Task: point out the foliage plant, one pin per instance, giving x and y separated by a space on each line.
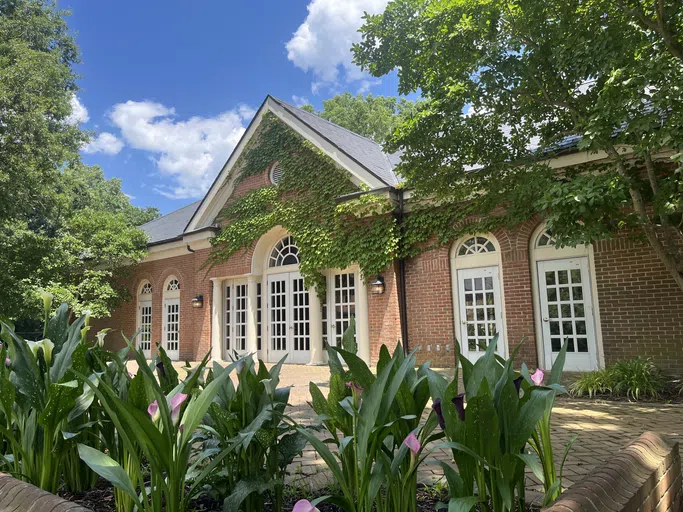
39 389
328 235
248 421
487 427
632 378
158 424
593 383
509 85
373 423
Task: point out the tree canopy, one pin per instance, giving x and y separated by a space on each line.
507 85
63 226
374 117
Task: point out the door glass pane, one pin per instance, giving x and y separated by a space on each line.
576 275
345 304
300 316
562 277
278 315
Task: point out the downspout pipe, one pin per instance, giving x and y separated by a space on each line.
401 278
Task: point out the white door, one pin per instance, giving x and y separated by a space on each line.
235 318
480 311
171 334
144 341
288 318
567 313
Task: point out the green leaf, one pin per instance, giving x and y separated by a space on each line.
463 504
558 365
358 370
58 326
534 464
63 361
108 469
28 379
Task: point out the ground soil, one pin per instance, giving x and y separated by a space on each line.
101 499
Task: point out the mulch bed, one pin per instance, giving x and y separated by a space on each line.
667 397
101 499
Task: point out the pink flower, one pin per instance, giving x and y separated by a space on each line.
412 443
355 387
8 362
537 378
176 403
153 411
304 506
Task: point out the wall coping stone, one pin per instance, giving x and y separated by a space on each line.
18 496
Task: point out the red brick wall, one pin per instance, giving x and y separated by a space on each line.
383 313
641 307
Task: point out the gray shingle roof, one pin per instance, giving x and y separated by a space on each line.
171 225
365 151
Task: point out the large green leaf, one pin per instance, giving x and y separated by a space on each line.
558 365
369 412
244 488
464 504
168 376
289 446
358 370
58 327
62 362
84 401
529 415
108 469
61 401
348 341
27 378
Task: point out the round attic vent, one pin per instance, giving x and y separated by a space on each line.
275 173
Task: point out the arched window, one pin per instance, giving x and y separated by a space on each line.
275 173
171 318
476 245
545 239
284 253
146 288
173 285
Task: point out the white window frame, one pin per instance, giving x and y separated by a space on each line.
550 252
144 300
232 284
470 261
171 297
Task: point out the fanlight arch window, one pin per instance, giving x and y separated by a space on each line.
284 253
275 173
476 245
146 288
545 239
173 285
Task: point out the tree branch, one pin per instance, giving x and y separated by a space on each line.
667 259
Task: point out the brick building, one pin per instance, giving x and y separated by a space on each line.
611 301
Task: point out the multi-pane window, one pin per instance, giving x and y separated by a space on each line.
325 324
145 336
241 317
344 295
566 309
146 289
259 316
173 285
172 326
300 315
480 311
278 314
284 253
476 245
545 239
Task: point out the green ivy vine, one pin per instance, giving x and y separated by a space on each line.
328 235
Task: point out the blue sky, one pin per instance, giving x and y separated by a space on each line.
168 86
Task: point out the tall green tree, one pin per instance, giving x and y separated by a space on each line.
63 226
509 83
374 117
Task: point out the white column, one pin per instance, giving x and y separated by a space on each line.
217 319
252 347
362 319
315 319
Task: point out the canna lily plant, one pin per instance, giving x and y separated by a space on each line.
162 431
487 427
373 423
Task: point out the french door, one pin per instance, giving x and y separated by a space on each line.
171 334
289 331
567 313
144 340
235 318
480 311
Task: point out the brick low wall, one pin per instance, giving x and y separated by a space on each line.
18 496
643 477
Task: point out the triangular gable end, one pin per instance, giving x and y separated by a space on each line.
222 187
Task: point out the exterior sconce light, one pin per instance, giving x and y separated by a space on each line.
377 286
198 302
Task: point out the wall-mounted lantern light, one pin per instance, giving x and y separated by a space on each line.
377 286
198 301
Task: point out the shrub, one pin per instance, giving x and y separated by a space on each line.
637 377
634 378
592 383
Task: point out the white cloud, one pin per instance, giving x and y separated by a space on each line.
79 114
106 143
322 43
190 152
300 101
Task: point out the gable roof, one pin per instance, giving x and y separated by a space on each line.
365 151
170 226
362 157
